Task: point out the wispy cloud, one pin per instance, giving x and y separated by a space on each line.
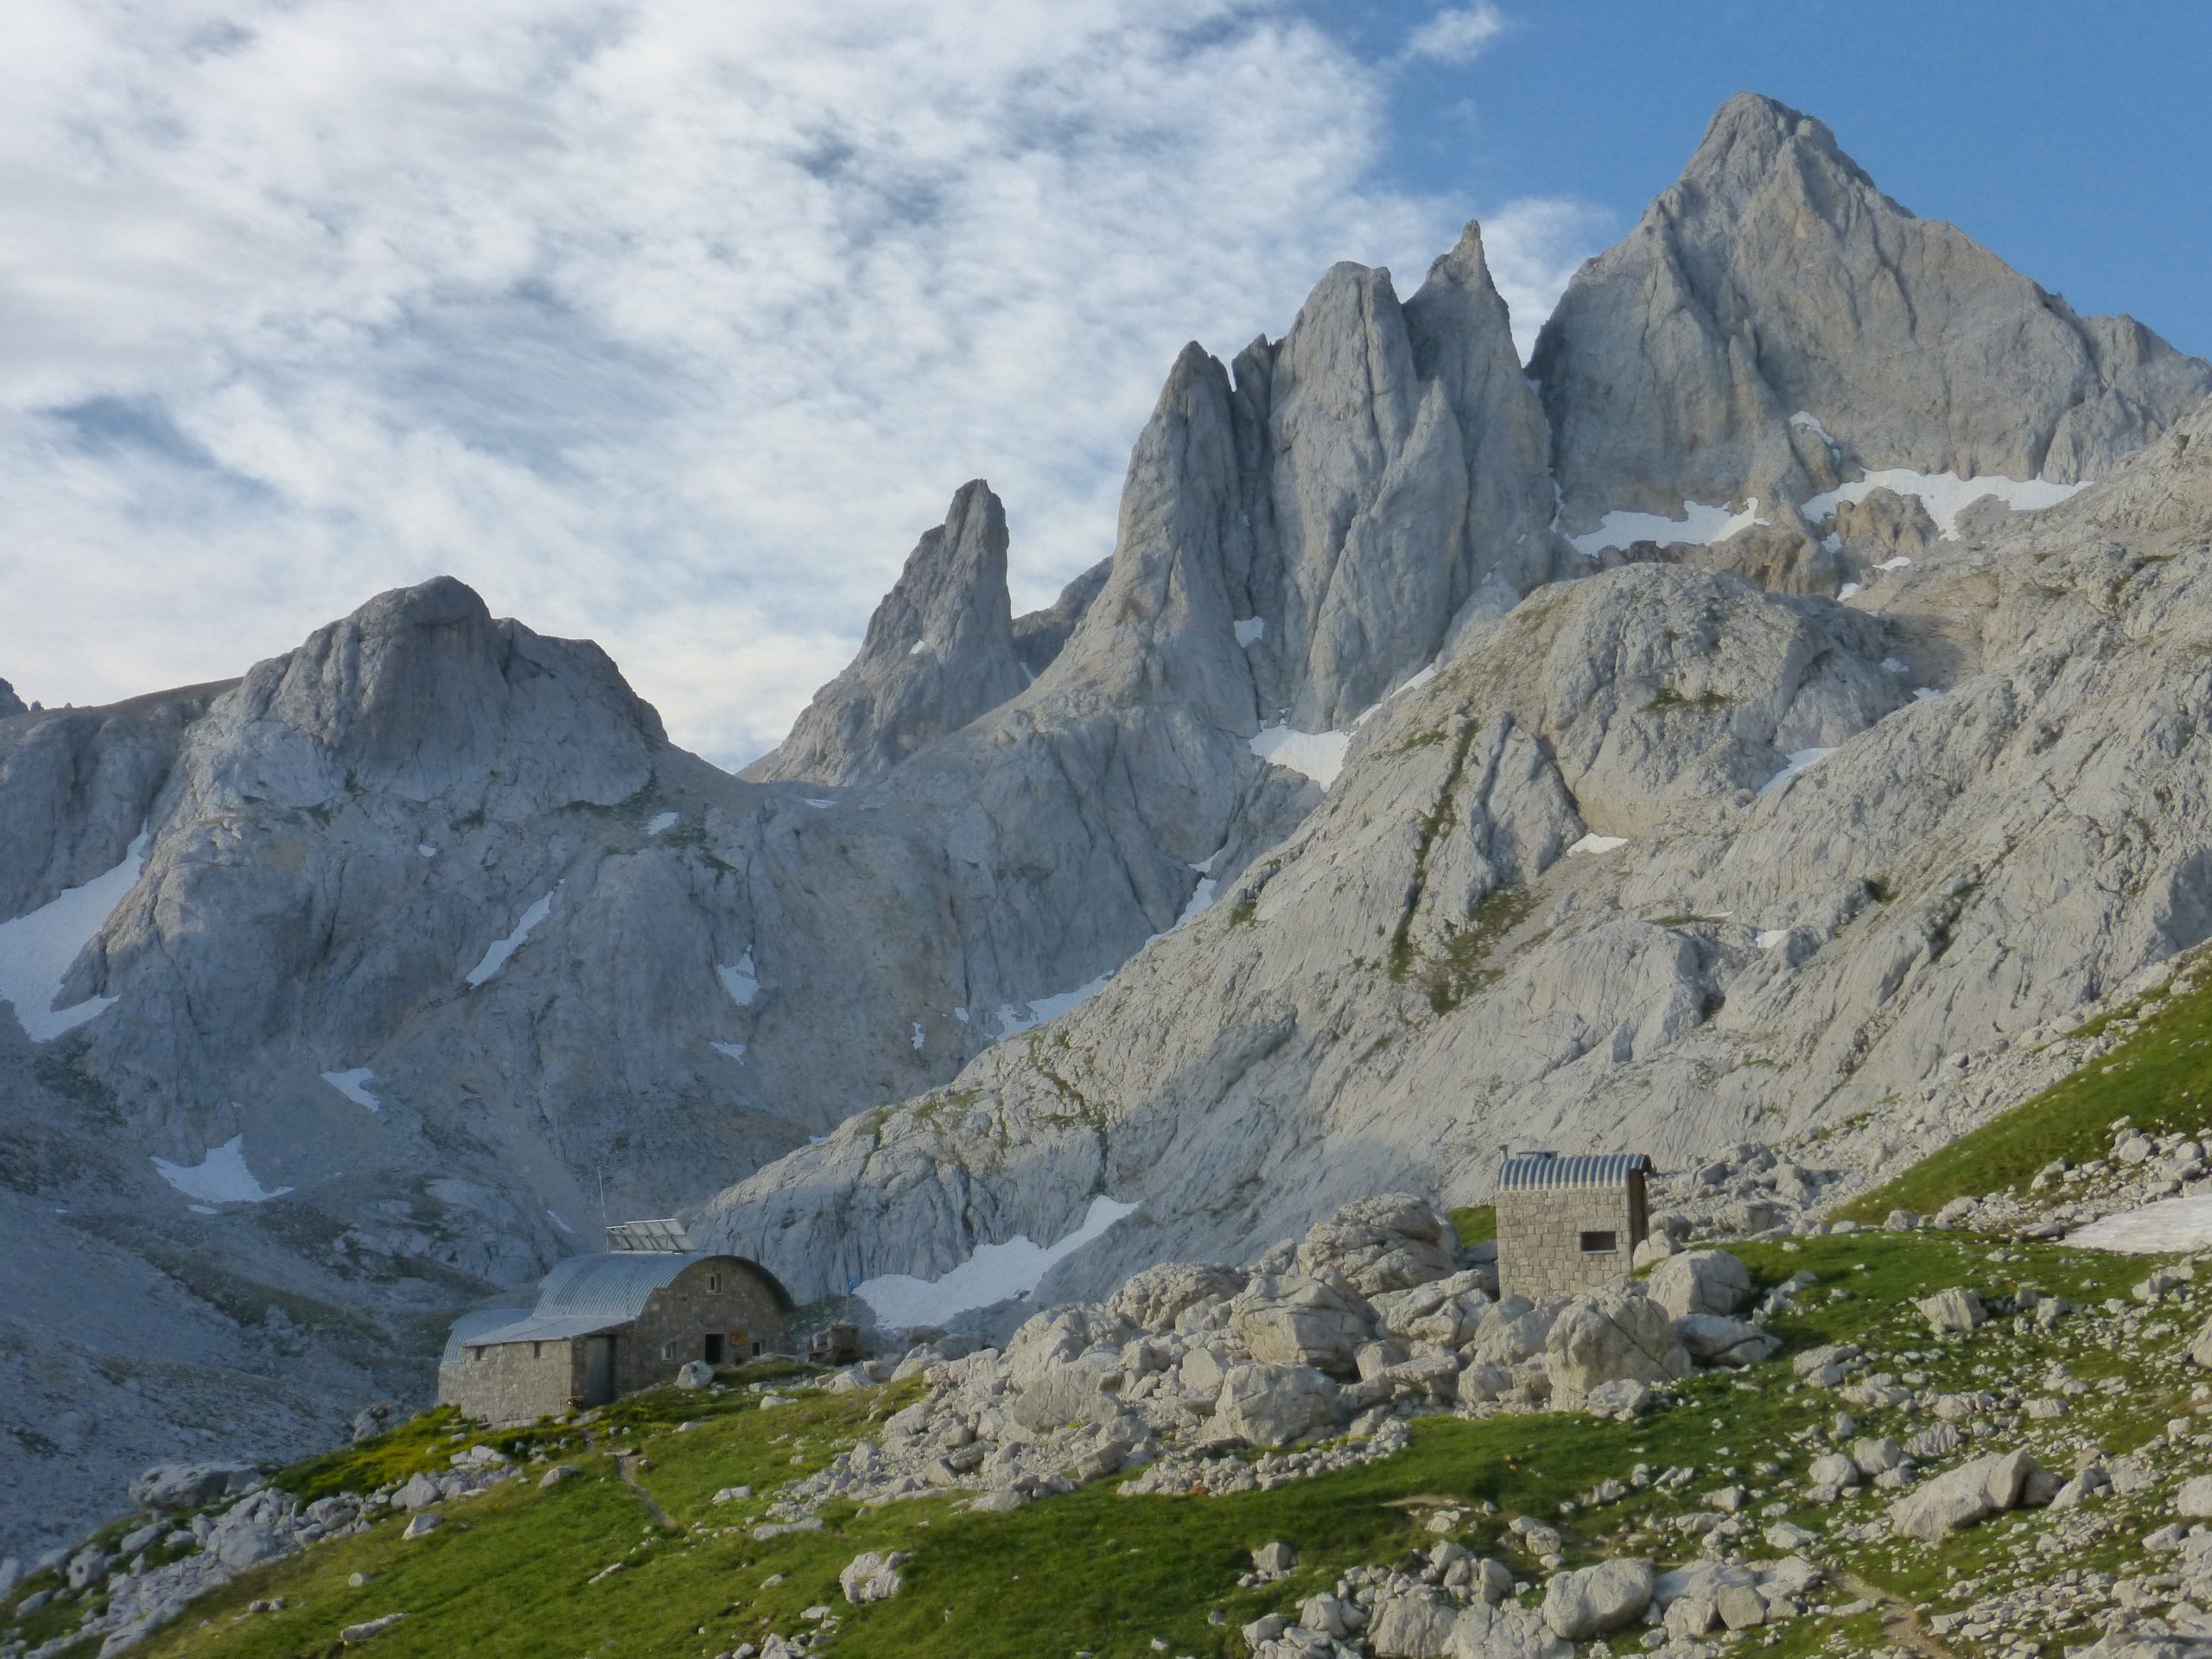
1457 33
669 325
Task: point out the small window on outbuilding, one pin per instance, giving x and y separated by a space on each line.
1600 1243
714 1281
537 1351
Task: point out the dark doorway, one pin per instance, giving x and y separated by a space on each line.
599 1370
714 1348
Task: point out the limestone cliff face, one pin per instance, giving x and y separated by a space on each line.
1816 882
940 651
1774 323
426 923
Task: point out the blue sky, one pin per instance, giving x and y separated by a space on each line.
675 326
2071 140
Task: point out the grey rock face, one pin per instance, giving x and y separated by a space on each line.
940 651
1772 279
10 702
1039 635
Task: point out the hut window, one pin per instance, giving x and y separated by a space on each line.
714 1281
1600 1243
536 1349
756 1348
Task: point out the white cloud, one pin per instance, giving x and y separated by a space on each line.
1457 34
671 326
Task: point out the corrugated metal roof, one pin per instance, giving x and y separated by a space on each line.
615 1285
1532 1170
587 1293
532 1328
469 1330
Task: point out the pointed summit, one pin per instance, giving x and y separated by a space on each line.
1774 326
939 651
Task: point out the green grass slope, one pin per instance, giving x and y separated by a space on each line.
513 1573
2159 1077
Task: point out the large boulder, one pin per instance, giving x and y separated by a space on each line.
1274 1405
1715 1339
2201 1350
1392 1241
1151 1300
189 1485
1068 1394
1954 1310
1987 1486
1296 1320
1448 1311
870 1577
1592 1600
1615 1333
1515 1330
1700 1281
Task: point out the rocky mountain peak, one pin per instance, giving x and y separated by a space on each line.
1750 139
939 651
1774 330
422 693
10 702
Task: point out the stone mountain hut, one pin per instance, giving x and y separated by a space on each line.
609 1324
1565 1224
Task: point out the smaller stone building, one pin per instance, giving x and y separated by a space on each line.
1565 1224
609 1324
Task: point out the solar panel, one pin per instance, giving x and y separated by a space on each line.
661 1237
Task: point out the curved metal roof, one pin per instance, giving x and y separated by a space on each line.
1531 1170
615 1284
588 1293
468 1331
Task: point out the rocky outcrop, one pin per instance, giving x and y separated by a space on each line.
1793 882
940 651
10 702
1039 635
1774 325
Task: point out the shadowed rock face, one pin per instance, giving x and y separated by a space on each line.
10 702
1774 278
940 651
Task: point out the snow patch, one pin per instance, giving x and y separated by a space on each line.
495 958
37 949
1811 423
2154 1229
661 820
919 1036
219 1178
993 1273
1848 589
1946 495
1922 693
1770 937
1042 1008
917 647
426 849
1319 755
1799 762
736 1051
1249 629
820 801
1898 563
1595 843
961 1015
741 979
1894 665
1699 526
554 1216
354 1086
1201 901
